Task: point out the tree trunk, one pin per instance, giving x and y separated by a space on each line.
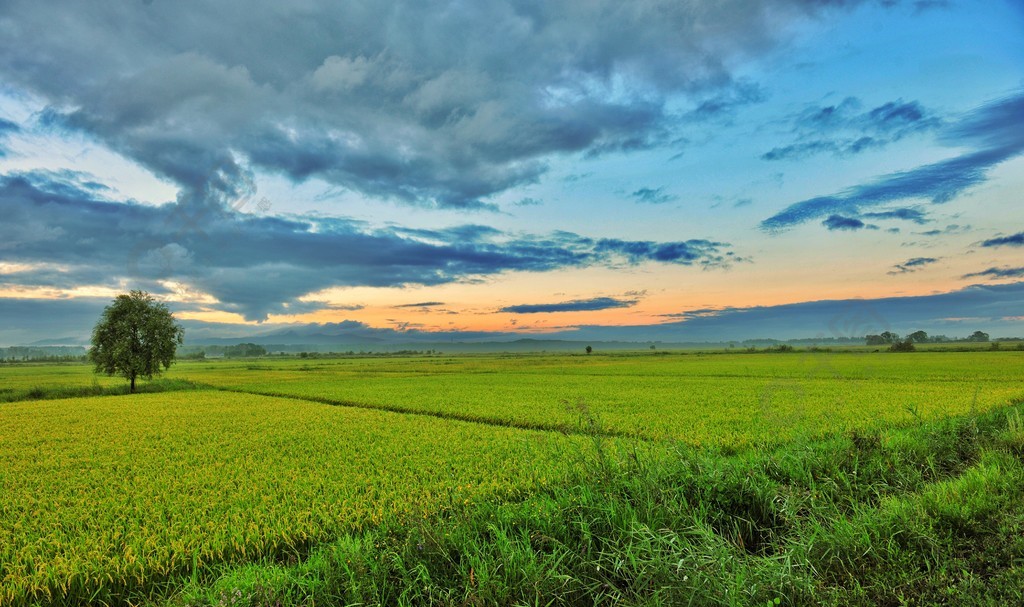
132 388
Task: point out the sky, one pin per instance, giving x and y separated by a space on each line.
644 171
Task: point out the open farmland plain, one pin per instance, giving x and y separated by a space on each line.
325 479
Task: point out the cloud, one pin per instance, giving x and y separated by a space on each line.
706 253
422 304
953 228
998 273
29 320
7 128
58 219
838 222
424 103
700 313
1014 240
576 305
912 265
913 215
527 202
993 130
724 103
653 196
843 130
990 308
993 308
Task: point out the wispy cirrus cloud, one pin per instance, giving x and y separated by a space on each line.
421 304
997 273
906 214
653 196
912 265
724 103
843 129
575 305
993 130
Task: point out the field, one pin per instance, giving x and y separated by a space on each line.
440 479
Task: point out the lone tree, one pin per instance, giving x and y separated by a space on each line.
135 336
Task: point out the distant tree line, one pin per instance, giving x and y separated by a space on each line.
243 350
888 338
47 354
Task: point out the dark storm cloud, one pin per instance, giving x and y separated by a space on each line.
844 130
994 132
998 273
1015 240
912 265
432 103
576 305
258 265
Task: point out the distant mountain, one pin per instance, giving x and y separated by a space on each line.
61 341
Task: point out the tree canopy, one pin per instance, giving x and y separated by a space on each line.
136 336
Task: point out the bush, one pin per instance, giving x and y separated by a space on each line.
902 346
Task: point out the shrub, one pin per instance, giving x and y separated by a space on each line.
902 346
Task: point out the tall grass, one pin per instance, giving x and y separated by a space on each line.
51 392
927 515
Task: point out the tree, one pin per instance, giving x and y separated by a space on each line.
135 336
589 349
978 336
918 337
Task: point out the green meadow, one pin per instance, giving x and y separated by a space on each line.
644 478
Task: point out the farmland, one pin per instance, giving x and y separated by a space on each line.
265 466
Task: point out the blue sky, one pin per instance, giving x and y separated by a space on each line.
675 170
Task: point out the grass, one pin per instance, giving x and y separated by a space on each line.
51 392
927 515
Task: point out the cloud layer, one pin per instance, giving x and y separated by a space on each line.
991 308
64 235
431 103
575 305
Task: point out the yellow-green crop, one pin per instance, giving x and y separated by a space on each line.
731 399
112 493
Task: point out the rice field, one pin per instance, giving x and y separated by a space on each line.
108 496
722 399
109 493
